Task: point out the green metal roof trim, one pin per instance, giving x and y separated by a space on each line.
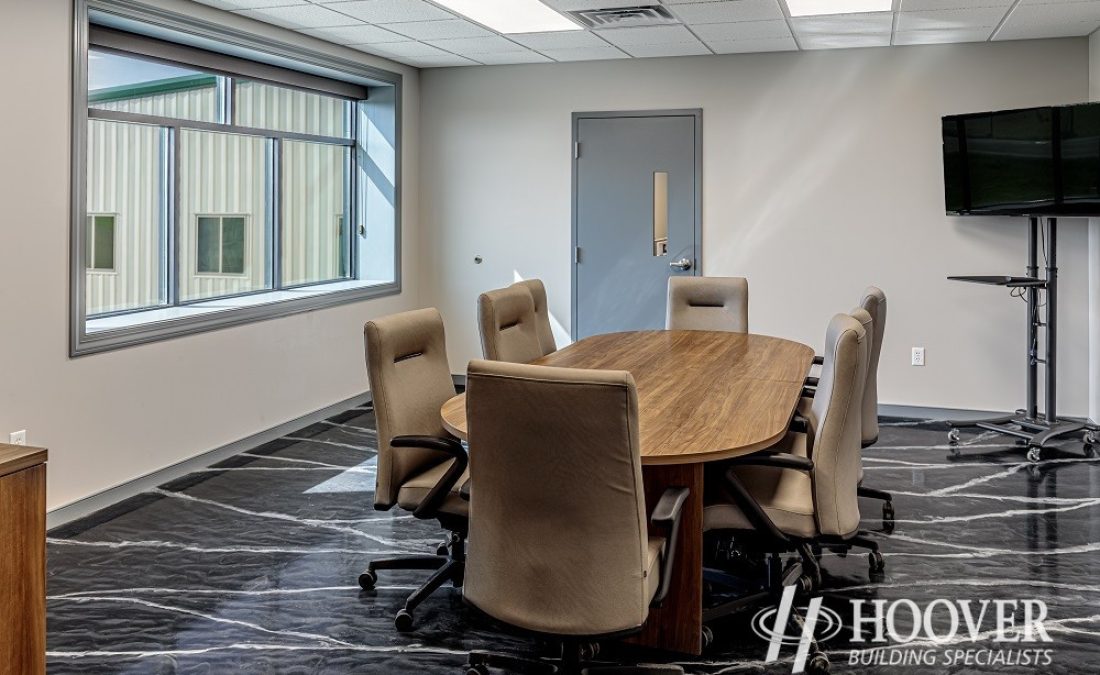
166 86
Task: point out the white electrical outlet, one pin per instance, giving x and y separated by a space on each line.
918 356
18 437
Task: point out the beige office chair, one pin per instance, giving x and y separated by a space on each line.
559 544
873 303
708 303
509 331
421 467
802 492
542 314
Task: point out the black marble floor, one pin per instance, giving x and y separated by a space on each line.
250 566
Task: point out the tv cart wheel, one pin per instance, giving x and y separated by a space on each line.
1034 454
953 436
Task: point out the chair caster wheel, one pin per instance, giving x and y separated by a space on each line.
441 549
953 437
1034 454
479 669
1090 451
589 651
1092 438
367 580
708 637
875 562
805 584
888 517
403 621
818 663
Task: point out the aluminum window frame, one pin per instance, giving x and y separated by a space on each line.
160 21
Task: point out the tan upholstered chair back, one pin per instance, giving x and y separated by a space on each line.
506 318
409 382
708 303
874 301
542 315
557 525
835 418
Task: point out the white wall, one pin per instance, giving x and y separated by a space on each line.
1094 257
822 173
111 417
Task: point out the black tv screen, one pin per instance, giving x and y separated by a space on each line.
1034 161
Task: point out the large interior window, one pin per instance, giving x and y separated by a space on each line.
213 183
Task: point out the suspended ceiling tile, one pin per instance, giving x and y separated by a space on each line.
844 40
727 10
390 11
476 45
299 16
585 53
942 36
355 35
438 30
743 30
671 49
754 45
649 35
569 39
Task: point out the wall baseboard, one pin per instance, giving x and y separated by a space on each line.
100 500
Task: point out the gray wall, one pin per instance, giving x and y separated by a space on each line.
110 417
822 174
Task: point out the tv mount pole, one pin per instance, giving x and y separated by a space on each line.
1035 430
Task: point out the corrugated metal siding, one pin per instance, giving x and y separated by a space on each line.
220 174
269 107
190 104
313 211
124 172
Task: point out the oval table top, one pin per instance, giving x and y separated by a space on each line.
702 395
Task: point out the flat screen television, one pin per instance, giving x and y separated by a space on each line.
1028 162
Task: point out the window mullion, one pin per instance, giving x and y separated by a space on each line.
172 254
275 217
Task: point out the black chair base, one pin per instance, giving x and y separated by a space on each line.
576 659
449 566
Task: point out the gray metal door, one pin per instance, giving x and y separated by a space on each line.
636 220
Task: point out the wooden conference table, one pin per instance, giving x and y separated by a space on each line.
702 396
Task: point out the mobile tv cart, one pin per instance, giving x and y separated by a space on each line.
1033 429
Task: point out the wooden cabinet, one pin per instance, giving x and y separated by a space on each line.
22 560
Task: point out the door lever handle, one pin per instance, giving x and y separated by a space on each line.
683 264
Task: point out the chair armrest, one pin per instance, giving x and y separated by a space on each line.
666 517
781 460
429 506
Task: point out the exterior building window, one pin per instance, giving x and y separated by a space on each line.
101 243
220 244
215 177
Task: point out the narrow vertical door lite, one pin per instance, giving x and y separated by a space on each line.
636 216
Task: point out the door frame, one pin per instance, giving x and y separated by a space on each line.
697 113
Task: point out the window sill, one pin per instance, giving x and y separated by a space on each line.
123 330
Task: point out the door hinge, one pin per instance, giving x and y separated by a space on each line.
577 255
576 150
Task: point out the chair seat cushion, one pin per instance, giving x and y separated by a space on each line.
414 490
654 553
786 495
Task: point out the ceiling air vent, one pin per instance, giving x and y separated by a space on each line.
625 17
